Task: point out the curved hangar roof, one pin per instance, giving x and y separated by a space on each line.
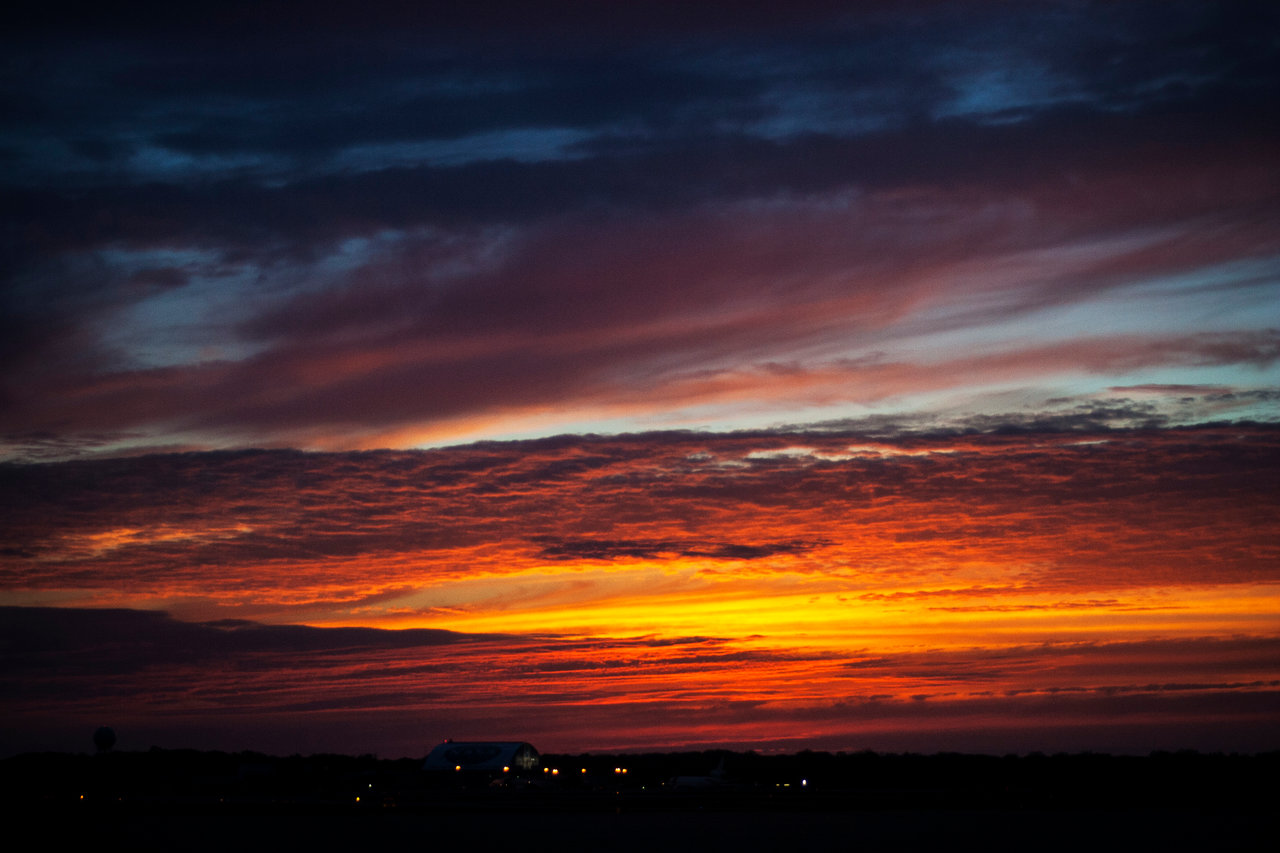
482 755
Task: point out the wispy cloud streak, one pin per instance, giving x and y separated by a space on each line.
740 580
155 676
206 250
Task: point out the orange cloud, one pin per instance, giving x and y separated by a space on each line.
910 577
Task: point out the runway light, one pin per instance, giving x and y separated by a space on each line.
457 767
506 769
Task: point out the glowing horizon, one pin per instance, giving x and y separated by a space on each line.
754 579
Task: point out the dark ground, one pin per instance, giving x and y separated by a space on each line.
895 830
176 799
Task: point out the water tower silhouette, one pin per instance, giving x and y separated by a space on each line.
104 738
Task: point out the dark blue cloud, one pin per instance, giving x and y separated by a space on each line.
238 190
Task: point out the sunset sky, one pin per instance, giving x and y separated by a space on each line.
882 375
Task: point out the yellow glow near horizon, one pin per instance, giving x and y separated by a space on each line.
670 603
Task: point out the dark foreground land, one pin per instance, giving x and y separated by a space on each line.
176 799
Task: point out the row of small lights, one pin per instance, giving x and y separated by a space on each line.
554 771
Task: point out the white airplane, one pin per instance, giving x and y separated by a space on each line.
715 779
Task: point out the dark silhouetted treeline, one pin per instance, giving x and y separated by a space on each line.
164 779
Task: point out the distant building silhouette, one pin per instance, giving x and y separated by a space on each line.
486 757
